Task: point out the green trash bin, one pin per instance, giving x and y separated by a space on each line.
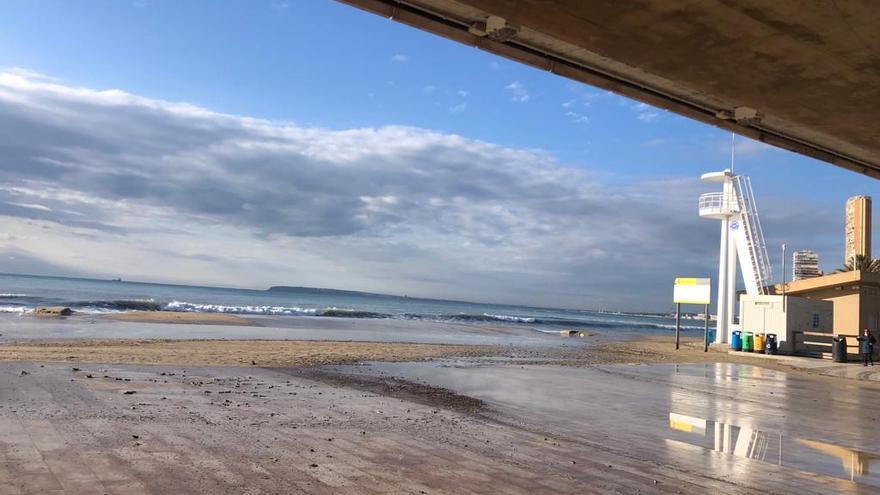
748 342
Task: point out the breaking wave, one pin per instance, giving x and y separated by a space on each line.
187 307
114 306
14 309
486 317
352 313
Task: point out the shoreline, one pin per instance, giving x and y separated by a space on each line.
230 353
188 318
306 354
280 342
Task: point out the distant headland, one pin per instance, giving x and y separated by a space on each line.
323 291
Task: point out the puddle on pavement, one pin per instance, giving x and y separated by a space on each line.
748 412
772 447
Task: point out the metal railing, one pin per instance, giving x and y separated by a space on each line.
754 233
717 203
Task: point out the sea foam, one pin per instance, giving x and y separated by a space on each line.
187 307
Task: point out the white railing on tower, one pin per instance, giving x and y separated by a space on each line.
758 260
717 203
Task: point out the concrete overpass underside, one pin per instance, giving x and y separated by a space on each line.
801 75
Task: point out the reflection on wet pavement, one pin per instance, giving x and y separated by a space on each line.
769 446
735 415
854 462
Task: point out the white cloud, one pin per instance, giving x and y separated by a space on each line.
463 93
280 6
29 74
648 117
645 113
399 58
518 92
581 97
172 192
32 206
577 118
461 107
429 89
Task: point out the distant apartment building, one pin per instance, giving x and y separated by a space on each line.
805 264
858 228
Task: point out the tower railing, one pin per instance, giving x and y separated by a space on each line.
717 203
758 257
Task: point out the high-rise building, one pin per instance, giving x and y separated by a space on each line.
805 264
858 228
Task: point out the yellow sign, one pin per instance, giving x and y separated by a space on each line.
692 291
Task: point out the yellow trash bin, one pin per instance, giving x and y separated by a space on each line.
759 343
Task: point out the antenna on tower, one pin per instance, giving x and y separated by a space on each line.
732 151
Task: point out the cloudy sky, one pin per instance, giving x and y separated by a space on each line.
307 143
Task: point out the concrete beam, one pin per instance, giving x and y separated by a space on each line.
801 76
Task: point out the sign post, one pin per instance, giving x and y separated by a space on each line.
691 291
677 323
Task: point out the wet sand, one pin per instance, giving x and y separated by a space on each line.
181 318
269 354
284 342
15 328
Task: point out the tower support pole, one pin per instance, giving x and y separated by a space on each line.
721 299
731 279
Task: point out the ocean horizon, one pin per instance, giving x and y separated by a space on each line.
20 293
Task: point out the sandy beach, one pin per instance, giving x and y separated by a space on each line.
263 353
290 353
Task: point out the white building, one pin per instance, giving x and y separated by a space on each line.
805 264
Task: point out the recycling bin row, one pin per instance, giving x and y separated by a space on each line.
754 342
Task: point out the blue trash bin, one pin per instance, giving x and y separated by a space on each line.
736 340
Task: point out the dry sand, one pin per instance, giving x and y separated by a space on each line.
175 317
263 353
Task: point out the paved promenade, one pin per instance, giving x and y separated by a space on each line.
150 429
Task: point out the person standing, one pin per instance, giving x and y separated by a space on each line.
866 345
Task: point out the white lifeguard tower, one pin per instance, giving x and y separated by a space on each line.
741 238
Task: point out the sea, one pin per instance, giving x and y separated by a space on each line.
20 294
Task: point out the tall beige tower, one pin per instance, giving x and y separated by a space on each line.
858 227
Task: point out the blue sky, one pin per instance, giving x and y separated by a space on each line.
318 64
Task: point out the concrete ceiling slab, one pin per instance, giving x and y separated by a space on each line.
801 75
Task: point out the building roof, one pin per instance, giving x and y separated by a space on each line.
842 279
